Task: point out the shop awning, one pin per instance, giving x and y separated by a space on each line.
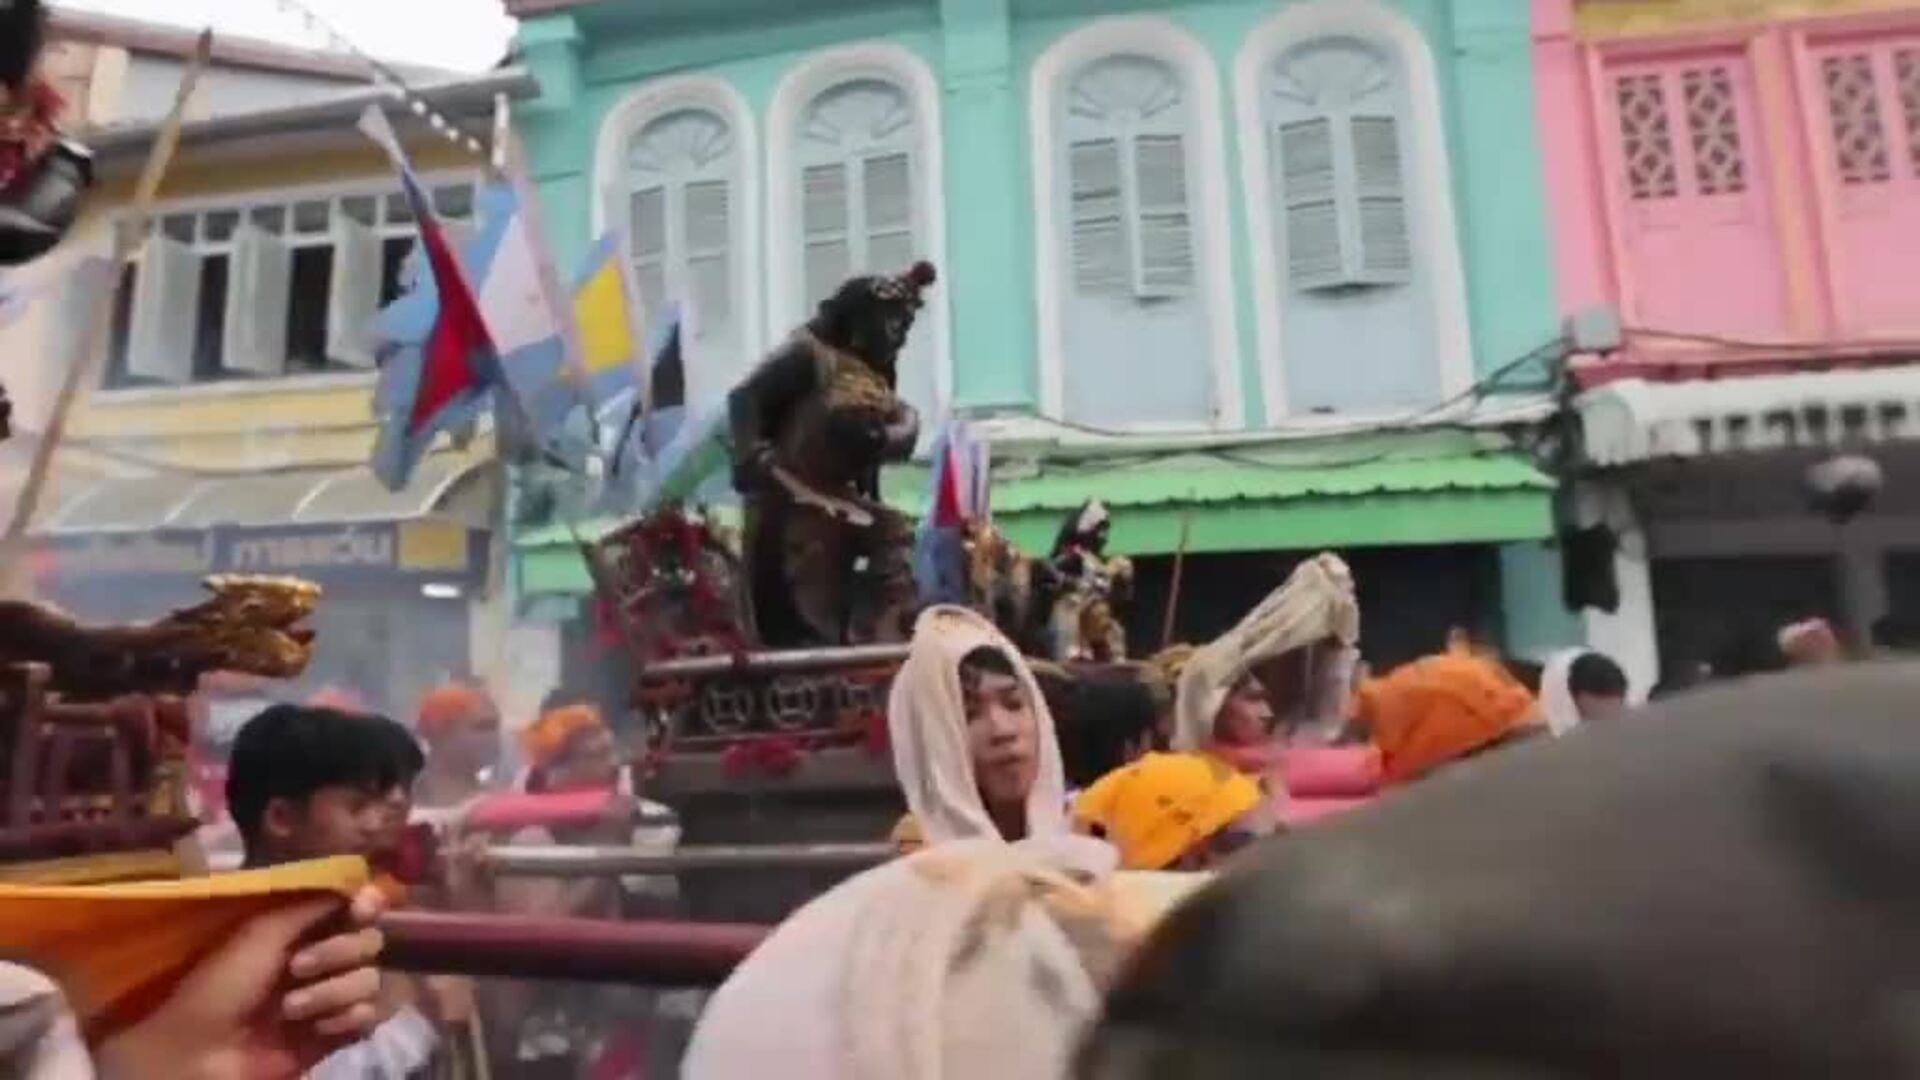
1634 420
1417 489
1430 488
450 485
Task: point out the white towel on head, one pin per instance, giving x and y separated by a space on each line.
978 959
1556 692
927 723
1314 604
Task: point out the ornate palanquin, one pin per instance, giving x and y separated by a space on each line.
94 725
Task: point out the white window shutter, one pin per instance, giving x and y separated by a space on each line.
647 238
887 190
260 277
825 221
1310 197
166 308
1099 239
1163 249
1385 255
356 293
708 224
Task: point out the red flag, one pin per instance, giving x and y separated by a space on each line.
451 353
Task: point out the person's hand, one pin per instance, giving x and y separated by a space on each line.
227 1019
621 815
1809 643
469 869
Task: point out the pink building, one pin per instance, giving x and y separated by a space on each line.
1740 181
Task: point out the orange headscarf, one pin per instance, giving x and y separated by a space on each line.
1439 709
443 707
547 738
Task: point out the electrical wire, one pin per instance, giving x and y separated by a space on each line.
384 73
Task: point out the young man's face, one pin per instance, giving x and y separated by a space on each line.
337 820
1246 717
1602 707
1002 737
591 761
473 742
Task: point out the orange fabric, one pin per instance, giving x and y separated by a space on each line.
119 950
546 739
443 707
1439 709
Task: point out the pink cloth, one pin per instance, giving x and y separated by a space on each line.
1341 772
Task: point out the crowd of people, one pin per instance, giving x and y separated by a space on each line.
1049 876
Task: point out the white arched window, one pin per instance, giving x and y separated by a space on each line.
1360 301
1135 308
676 162
853 149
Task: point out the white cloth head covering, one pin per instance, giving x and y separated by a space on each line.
1315 603
979 959
38 1037
927 722
1556 691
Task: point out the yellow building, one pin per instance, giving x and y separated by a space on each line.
229 422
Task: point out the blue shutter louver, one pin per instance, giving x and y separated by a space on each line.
1310 195
827 257
1099 239
1163 250
1385 256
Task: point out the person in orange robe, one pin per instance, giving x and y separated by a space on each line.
1441 709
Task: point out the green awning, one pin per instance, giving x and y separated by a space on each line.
1449 487
1374 491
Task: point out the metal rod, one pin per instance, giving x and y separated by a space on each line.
637 953
762 663
581 861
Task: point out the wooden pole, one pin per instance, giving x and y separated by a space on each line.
1179 568
93 339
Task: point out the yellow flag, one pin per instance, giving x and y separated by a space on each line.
606 331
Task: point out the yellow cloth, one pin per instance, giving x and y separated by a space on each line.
119 950
1162 806
1439 709
606 325
907 836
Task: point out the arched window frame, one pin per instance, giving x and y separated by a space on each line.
814 76
1163 40
1427 180
649 102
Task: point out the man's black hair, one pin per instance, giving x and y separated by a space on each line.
292 751
22 32
986 660
1595 674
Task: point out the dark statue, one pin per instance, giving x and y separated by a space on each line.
829 563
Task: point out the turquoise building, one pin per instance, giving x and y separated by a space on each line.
1238 268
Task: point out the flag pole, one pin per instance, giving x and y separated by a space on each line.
1179 568
559 299
93 339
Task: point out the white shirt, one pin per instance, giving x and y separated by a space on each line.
396 1050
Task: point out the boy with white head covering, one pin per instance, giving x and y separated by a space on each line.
973 741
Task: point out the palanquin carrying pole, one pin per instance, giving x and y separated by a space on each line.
634 953
579 861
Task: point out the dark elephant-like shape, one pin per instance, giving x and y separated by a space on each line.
1727 885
